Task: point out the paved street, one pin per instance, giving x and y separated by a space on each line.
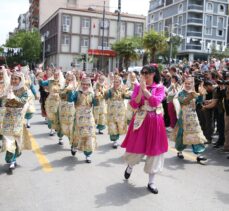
49 178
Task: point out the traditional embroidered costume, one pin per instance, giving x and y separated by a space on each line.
188 130
100 106
67 109
52 103
84 129
12 127
116 111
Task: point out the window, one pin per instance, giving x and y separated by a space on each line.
72 1
67 20
160 26
208 20
180 20
160 15
221 8
85 22
209 7
66 40
139 29
220 21
84 42
208 31
123 26
220 33
180 8
152 18
105 42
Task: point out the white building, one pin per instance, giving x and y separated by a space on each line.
23 22
73 32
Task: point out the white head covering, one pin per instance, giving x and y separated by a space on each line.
22 82
73 77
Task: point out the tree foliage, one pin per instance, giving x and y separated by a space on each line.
29 42
154 42
165 52
127 49
219 54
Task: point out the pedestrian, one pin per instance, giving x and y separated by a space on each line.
146 135
55 84
84 130
12 126
66 109
116 111
131 83
4 86
100 106
188 130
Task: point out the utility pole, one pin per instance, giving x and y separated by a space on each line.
119 28
103 36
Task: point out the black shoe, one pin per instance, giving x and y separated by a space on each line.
152 190
61 142
73 151
28 126
100 132
180 155
201 160
126 174
88 160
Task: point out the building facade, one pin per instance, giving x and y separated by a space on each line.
41 10
76 32
23 22
203 24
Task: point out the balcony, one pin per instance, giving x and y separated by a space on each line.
195 20
193 47
195 7
194 33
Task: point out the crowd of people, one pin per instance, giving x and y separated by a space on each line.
189 100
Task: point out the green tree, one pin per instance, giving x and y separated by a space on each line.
154 42
165 52
29 42
127 50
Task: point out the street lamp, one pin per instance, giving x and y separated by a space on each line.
171 34
43 39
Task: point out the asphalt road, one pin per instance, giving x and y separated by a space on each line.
48 178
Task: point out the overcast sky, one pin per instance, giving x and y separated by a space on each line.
11 9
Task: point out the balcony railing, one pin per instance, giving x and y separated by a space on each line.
193 47
195 7
195 20
194 33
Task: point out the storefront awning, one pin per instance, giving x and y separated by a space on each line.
97 52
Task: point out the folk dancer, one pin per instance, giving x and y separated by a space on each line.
12 127
188 130
100 107
116 111
67 109
146 135
84 129
55 84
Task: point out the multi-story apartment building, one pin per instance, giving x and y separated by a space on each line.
73 32
34 13
202 23
41 10
23 21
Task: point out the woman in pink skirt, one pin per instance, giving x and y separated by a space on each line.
146 135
